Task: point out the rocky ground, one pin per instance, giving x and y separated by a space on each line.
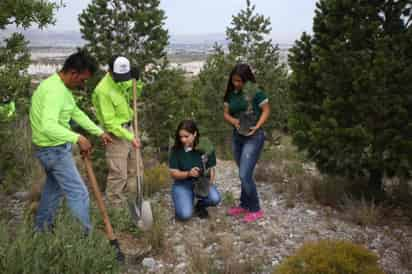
230 246
223 244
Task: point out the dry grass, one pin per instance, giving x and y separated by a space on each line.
156 179
362 212
199 261
156 236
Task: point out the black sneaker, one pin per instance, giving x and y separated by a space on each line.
201 212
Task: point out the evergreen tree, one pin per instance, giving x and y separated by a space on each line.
249 42
209 90
351 89
14 53
132 28
16 160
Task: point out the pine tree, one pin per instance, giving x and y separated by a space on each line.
132 28
208 92
15 83
249 42
351 89
14 53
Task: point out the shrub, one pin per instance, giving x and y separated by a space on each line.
66 250
156 179
331 257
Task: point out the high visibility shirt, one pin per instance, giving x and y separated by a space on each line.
112 103
52 108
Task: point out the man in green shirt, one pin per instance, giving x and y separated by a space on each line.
111 99
52 108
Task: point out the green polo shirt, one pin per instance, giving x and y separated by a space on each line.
237 103
181 160
52 108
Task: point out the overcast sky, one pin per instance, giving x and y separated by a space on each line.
289 17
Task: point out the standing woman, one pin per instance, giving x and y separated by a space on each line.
245 105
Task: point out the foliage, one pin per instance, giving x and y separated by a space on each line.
351 90
134 29
248 43
166 101
208 91
15 83
67 250
156 179
332 257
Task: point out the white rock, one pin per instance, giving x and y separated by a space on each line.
149 263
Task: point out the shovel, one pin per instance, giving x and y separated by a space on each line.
141 210
102 208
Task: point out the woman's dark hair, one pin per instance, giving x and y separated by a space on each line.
244 72
80 62
189 126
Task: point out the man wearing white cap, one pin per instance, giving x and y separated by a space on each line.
111 99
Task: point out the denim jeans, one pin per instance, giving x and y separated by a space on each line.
246 151
63 179
183 199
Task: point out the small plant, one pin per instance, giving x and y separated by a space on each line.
156 179
120 220
155 237
361 212
228 199
199 261
328 191
331 257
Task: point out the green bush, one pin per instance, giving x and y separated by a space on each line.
156 179
66 250
330 257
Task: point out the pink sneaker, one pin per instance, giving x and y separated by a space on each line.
253 216
236 211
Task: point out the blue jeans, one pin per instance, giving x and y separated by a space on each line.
63 179
183 198
246 150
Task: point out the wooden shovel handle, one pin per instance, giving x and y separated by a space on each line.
99 199
139 161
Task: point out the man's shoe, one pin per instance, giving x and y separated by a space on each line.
119 254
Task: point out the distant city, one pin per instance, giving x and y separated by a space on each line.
188 52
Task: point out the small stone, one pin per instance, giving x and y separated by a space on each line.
149 263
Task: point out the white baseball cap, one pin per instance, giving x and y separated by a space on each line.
121 69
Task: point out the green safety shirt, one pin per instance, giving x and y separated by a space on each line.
7 111
112 103
52 108
237 103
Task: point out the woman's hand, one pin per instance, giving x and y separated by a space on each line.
252 130
194 172
236 123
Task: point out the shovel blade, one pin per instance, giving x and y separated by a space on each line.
146 216
134 211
